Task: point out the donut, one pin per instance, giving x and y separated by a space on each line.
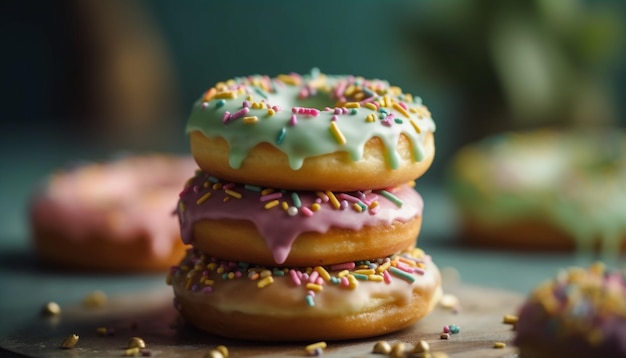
344 301
543 189
116 216
303 218
311 132
579 313
296 228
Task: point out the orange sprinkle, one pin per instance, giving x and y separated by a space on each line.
209 94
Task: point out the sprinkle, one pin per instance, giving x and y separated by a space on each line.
421 347
401 109
499 345
359 276
352 105
415 126
444 336
315 207
272 196
382 347
136 342
322 272
398 350
394 199
209 94
357 207
401 274
250 119
271 204
260 92
343 266
333 199
95 299
509 319
203 198
454 329
271 112
233 193
51 309
375 278
296 199
131 352
265 281
314 287
289 79
387 277
294 277
294 120
306 211
292 211
226 95
310 301
225 117
240 113
70 341
314 346
251 187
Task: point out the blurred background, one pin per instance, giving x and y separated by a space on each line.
85 79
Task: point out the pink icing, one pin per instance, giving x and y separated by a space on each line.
129 197
276 226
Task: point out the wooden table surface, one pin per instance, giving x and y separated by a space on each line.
150 315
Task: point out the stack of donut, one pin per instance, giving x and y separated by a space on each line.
303 217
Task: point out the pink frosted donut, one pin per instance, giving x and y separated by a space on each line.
114 216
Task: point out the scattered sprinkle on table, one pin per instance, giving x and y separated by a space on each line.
499 345
70 341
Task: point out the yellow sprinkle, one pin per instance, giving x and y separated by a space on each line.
314 287
270 112
267 191
408 97
136 342
285 205
314 346
131 352
271 204
400 109
217 186
51 309
373 205
265 281
95 299
250 119
220 270
226 95
359 96
353 105
249 97
375 278
230 82
499 345
290 80
371 106
206 184
208 282
188 283
365 272
370 118
415 126
231 275
333 199
422 111
211 266
383 267
203 198
255 105
395 90
323 273
315 207
509 319
102 331
349 90
357 207
343 273
233 193
222 349
354 283
220 86
334 128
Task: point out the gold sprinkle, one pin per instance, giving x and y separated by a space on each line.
233 193
250 119
353 105
223 350
398 350
401 109
203 198
315 207
284 205
314 287
265 281
509 319
131 352
217 186
70 341
51 309
226 95
136 342
333 199
499 345
271 204
382 347
267 191
95 299
421 347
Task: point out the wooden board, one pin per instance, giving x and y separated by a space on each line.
151 316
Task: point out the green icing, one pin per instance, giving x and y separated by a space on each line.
311 135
